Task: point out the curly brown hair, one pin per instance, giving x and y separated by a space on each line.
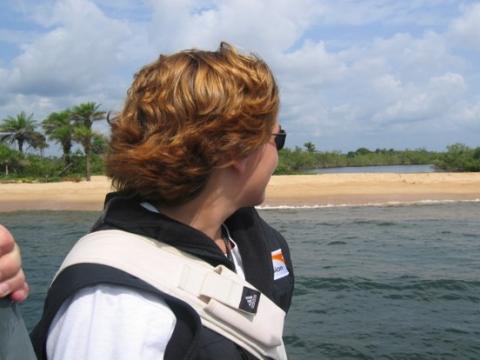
187 114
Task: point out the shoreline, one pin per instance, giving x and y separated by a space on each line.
320 190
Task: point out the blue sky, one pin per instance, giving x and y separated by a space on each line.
373 73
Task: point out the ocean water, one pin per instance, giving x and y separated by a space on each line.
372 282
403 169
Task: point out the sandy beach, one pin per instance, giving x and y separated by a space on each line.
292 190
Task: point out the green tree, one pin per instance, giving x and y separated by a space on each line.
476 153
20 129
362 151
8 159
458 157
39 142
99 144
309 146
59 128
83 116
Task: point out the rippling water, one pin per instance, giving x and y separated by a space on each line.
398 282
403 169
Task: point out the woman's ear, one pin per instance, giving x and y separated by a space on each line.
246 165
239 166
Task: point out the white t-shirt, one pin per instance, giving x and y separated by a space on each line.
110 322
113 322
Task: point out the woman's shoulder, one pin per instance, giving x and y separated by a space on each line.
110 319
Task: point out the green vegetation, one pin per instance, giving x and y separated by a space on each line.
59 128
457 158
74 126
15 166
83 116
66 127
9 159
21 130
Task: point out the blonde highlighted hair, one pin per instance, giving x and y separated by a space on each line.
187 114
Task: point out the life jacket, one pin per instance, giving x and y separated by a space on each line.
227 304
266 264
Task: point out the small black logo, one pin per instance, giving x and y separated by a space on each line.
250 299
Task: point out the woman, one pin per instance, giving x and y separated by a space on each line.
191 153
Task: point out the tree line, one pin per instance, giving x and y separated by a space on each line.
66 127
74 126
458 157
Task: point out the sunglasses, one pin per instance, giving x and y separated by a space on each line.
280 137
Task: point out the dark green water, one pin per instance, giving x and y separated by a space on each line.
399 282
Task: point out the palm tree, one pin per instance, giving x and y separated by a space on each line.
83 116
59 127
20 129
39 142
310 147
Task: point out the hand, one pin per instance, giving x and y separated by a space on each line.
12 278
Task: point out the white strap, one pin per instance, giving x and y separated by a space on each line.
217 294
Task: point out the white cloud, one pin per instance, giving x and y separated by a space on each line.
396 82
387 12
15 36
400 83
466 29
264 26
70 58
428 104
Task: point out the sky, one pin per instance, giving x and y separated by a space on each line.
352 73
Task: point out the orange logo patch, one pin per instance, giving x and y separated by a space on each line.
279 267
